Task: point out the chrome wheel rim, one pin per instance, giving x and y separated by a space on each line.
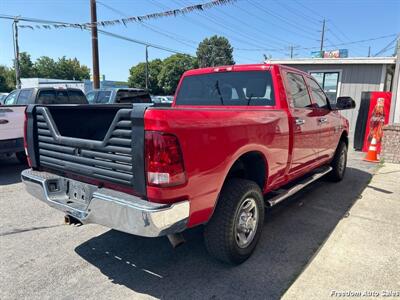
246 222
342 161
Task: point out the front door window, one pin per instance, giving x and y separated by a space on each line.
329 81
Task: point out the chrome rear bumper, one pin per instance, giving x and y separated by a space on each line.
107 207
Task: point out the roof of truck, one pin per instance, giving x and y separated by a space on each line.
244 67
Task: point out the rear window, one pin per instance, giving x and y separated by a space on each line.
227 88
127 96
61 97
77 97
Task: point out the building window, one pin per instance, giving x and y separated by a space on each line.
329 81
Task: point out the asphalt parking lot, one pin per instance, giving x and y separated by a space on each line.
41 258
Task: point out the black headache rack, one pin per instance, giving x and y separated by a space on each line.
116 156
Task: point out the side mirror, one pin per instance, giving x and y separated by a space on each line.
344 103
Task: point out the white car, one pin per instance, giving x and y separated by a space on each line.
163 99
12 114
12 131
2 97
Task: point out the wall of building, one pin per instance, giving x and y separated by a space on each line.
391 144
353 80
56 83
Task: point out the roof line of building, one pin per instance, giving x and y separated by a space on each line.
330 61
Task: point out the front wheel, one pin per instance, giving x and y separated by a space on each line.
339 163
235 228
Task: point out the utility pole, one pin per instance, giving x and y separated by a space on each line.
16 54
322 35
95 45
147 68
291 51
369 51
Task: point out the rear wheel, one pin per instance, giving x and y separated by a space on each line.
235 228
22 157
339 163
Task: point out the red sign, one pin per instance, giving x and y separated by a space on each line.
378 116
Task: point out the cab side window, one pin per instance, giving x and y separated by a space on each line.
24 97
297 91
317 94
91 97
11 98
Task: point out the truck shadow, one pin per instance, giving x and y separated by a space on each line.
293 233
10 170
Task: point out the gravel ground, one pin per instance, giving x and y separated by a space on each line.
41 258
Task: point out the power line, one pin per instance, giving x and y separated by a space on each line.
274 24
169 13
299 13
172 36
247 39
213 30
265 36
329 23
141 42
43 21
273 14
387 47
244 41
309 9
330 45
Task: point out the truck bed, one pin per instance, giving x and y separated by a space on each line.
92 141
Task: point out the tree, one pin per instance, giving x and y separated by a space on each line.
7 79
215 51
26 66
137 77
71 69
172 69
45 67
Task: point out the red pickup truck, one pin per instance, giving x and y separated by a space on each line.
236 139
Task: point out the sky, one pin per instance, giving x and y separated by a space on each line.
254 28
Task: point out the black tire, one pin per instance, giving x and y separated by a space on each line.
220 234
339 163
22 157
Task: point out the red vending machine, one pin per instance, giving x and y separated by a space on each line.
372 116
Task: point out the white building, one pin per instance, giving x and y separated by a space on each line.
57 83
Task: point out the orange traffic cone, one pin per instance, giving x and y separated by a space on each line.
372 155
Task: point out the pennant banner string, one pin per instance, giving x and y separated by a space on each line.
124 21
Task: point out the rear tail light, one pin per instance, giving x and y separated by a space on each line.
164 161
25 140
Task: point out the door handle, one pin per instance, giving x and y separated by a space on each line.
322 120
300 121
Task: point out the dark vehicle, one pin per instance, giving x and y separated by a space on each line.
46 95
118 95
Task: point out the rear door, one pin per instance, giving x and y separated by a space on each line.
305 133
327 120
